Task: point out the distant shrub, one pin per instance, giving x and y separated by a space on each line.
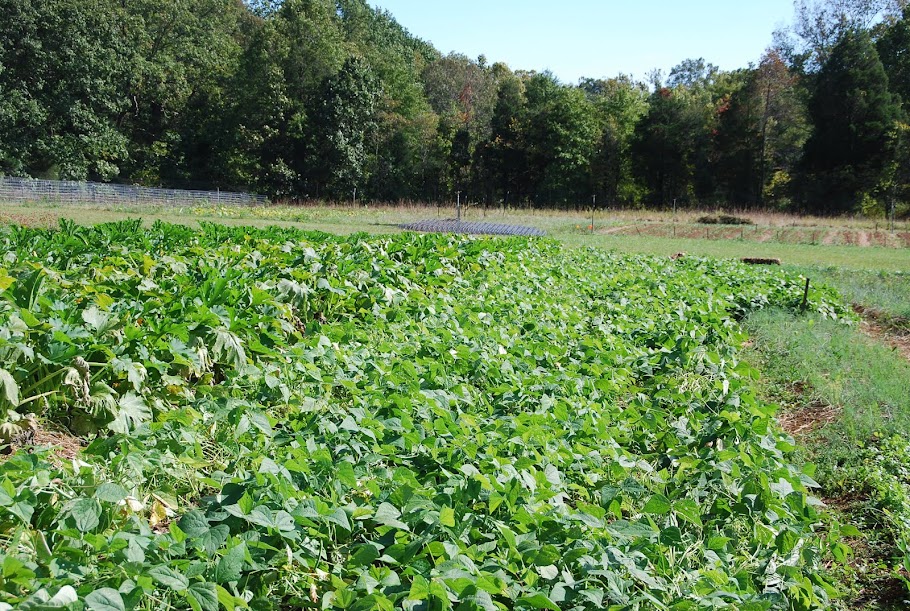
724 219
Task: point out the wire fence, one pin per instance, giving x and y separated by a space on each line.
67 192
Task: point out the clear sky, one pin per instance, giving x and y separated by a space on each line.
596 38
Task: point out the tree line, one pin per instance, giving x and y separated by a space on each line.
319 99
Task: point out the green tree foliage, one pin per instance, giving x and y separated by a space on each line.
306 99
182 55
343 121
821 24
662 150
761 131
894 50
692 73
262 119
63 66
673 145
505 153
561 134
619 103
855 118
462 93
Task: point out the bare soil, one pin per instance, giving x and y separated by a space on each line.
805 415
803 421
38 220
64 445
875 586
894 333
830 238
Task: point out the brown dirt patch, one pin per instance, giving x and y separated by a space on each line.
784 234
803 421
872 585
892 333
37 220
806 415
848 503
885 592
63 446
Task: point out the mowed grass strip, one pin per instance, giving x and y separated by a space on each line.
839 365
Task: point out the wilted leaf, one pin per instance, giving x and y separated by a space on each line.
132 411
10 390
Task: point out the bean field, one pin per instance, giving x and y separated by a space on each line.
280 419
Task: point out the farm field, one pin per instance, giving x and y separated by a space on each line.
850 243
281 419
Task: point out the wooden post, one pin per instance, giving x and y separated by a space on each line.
806 296
593 207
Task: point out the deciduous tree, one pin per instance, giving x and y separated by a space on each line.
64 64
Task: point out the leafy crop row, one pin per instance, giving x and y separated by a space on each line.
281 419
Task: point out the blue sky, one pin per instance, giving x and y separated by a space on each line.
596 38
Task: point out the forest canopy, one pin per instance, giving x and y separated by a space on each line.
312 99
